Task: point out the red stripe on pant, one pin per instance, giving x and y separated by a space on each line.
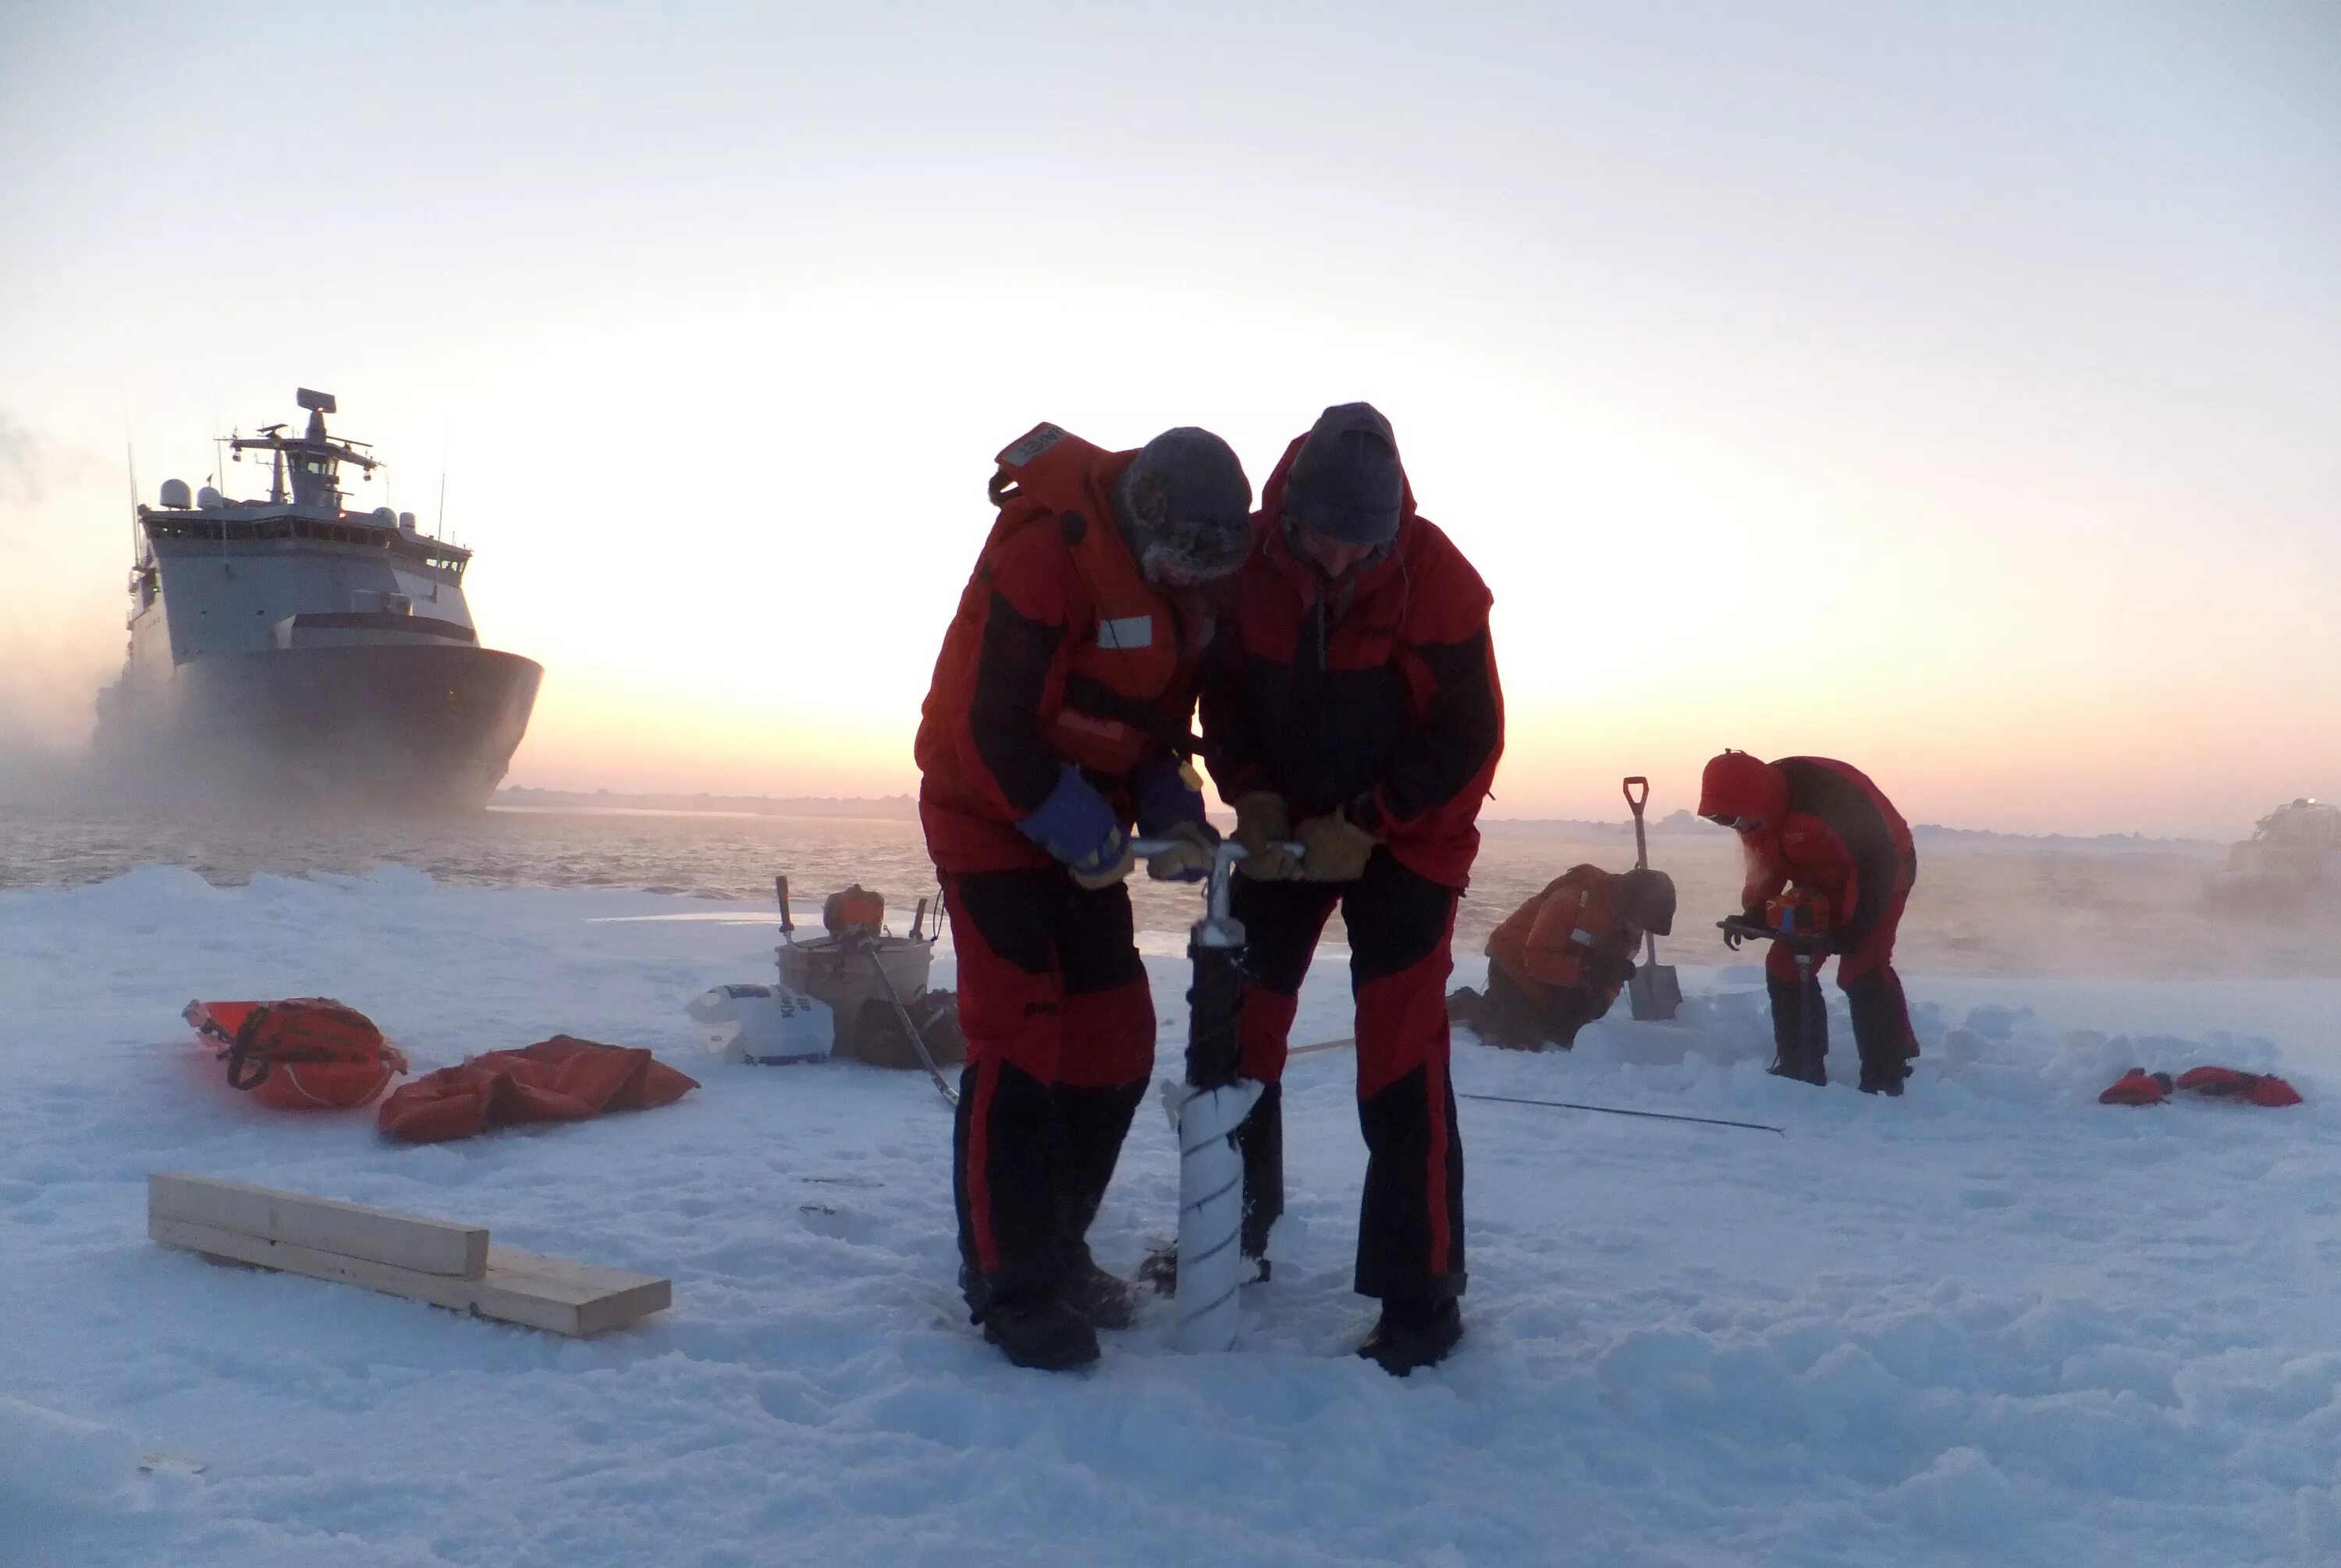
1052 998
1401 929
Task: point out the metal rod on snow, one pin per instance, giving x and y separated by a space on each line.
1346 1041
1616 1111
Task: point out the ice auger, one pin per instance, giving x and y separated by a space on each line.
1206 1110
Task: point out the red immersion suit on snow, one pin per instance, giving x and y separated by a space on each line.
1377 695
1823 826
1060 652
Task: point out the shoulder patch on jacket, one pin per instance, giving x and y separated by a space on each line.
1031 444
1126 631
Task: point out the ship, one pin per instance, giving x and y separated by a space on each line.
297 649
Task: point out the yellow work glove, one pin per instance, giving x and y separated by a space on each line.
1098 872
1262 819
1333 849
1188 858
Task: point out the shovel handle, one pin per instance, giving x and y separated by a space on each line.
1641 845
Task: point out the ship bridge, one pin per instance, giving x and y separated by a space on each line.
220 576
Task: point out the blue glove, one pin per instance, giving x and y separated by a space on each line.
1162 800
1075 824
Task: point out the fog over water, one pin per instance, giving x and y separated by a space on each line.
1996 907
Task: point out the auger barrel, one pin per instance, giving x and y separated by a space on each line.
1206 1111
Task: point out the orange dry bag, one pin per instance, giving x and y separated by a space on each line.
855 907
309 1053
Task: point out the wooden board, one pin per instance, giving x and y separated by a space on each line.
381 1236
547 1293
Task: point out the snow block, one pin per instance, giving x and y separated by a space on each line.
51 1457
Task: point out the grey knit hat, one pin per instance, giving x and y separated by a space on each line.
1185 506
1345 483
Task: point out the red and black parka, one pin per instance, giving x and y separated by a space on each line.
1826 826
1375 695
1060 653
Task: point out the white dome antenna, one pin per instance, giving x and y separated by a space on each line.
175 494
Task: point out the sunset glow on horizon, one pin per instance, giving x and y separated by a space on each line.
1957 395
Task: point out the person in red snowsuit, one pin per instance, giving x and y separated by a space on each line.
1557 962
1354 706
1059 716
1825 827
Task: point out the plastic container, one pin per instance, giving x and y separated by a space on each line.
768 1025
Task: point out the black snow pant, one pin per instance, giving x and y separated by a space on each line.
1881 1028
1873 995
1510 1019
1060 1027
1401 931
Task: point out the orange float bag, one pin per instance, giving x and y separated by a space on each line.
304 1054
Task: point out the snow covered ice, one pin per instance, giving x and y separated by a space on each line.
1992 1321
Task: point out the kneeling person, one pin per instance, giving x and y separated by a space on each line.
1559 961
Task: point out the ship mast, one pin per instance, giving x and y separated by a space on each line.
312 460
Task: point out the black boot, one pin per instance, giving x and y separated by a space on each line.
1800 1031
1095 1122
1039 1331
1884 1080
1260 1139
1881 1031
1101 1299
1413 1330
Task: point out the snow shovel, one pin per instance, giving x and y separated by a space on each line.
1653 990
1206 1110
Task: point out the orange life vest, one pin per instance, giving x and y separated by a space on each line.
1546 941
1135 648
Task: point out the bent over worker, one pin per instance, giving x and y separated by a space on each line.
1355 708
1824 826
1058 714
1557 962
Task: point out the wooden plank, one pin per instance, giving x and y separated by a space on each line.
322 1225
601 1297
548 1293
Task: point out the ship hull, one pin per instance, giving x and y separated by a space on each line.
413 727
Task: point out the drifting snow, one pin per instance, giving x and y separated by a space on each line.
1992 1321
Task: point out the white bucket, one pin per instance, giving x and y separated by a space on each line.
766 1024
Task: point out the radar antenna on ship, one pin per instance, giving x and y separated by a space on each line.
312 460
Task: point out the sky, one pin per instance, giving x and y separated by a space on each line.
1955 391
